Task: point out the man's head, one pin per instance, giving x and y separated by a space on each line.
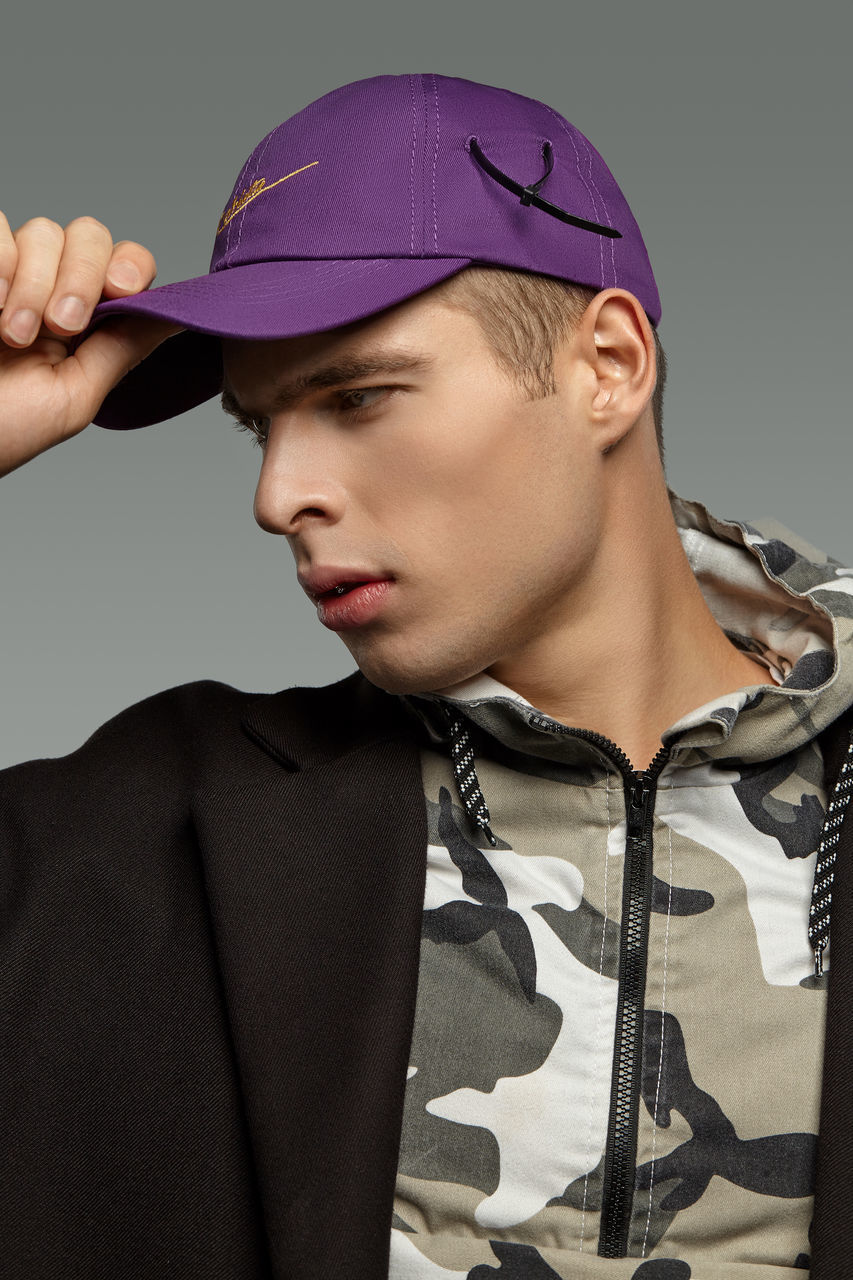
435 297
404 451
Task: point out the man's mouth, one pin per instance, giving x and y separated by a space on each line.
322 585
342 589
353 604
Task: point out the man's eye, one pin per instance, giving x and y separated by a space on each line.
360 398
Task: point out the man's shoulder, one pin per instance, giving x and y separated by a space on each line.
147 781
192 726
163 725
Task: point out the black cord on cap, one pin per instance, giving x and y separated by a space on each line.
529 195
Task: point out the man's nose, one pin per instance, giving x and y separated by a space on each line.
296 485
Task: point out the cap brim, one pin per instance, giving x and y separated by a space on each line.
261 302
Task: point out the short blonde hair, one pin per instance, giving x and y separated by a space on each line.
524 317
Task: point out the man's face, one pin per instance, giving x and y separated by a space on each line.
398 452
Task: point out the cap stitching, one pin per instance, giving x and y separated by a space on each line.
253 168
434 164
600 195
562 123
424 163
241 178
412 163
258 158
322 266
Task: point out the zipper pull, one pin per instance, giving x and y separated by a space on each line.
636 815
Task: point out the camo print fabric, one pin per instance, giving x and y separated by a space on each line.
507 1101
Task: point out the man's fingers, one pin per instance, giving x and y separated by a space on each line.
55 278
131 269
39 245
79 280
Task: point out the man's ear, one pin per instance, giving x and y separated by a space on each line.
616 346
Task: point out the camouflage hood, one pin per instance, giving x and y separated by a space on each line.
775 596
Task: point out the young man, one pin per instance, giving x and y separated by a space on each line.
511 949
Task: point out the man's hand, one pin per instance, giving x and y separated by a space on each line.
50 282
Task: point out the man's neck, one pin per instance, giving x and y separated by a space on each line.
640 648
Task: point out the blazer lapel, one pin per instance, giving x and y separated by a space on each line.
314 854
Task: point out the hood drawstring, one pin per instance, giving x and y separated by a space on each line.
824 873
467 783
468 786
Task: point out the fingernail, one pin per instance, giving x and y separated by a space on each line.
124 275
69 313
4 291
23 326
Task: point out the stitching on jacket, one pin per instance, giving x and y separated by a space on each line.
662 1037
600 994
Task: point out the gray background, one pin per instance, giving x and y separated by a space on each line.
131 562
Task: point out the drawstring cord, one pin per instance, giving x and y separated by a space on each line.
465 773
468 787
824 874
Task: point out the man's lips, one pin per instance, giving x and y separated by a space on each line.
355 606
332 583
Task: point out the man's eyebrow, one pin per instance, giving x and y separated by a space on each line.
348 369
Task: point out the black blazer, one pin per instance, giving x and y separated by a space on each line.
208 962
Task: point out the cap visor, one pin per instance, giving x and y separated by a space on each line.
261 302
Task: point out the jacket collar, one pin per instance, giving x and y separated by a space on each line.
304 727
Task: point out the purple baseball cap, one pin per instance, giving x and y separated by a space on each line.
370 195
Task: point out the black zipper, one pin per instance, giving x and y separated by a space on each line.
621 1147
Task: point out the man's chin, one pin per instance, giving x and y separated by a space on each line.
414 677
